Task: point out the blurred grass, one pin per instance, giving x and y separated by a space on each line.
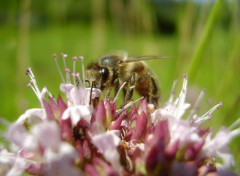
125 28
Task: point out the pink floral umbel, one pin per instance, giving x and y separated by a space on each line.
85 133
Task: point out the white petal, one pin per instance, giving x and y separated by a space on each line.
47 134
75 96
6 157
31 143
78 112
227 158
18 168
33 115
17 134
107 140
61 162
64 150
107 143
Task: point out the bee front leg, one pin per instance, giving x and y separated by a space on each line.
130 86
116 88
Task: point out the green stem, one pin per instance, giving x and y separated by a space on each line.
204 39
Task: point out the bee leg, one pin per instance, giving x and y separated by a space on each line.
116 83
91 90
154 93
130 87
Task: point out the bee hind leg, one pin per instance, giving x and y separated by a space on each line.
129 88
154 95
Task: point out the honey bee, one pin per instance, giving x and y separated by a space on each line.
116 69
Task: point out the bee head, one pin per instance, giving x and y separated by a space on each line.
97 75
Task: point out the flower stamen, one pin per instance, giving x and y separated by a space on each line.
172 93
55 56
79 81
180 101
234 125
207 115
68 73
64 56
196 105
119 90
83 72
125 107
33 82
74 63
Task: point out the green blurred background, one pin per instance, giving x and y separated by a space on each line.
203 36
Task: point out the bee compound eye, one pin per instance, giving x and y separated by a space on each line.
105 73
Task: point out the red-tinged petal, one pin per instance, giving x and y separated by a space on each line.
134 116
171 150
108 170
79 149
142 107
193 150
133 111
140 128
139 151
86 149
189 154
155 160
101 113
203 131
61 104
48 109
198 146
184 169
110 110
115 125
93 119
36 168
91 170
161 131
57 110
66 128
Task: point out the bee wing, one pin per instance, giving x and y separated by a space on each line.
119 53
144 58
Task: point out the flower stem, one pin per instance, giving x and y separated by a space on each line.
197 56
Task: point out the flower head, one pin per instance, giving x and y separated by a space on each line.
84 133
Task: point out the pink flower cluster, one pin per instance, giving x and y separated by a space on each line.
84 133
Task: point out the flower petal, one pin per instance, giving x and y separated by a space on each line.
107 143
78 112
